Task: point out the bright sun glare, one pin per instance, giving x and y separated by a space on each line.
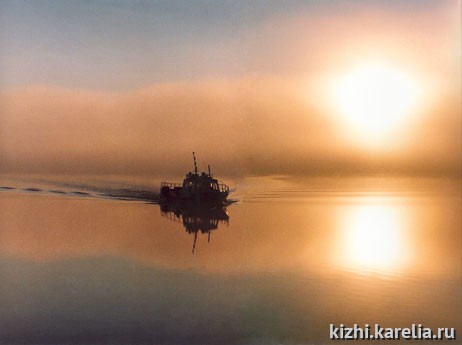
375 99
373 238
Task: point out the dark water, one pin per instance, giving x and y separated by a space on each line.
99 262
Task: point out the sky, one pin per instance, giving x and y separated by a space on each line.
132 87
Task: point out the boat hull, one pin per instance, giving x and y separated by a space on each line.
178 194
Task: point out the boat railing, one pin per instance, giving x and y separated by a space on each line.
170 184
223 188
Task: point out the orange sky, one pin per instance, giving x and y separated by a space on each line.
258 104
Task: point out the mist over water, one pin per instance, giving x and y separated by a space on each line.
240 127
336 125
318 231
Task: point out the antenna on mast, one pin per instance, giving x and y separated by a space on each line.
195 164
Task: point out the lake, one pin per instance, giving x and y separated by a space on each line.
84 261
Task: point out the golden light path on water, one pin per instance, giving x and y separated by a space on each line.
373 237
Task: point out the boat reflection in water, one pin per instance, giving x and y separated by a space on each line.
199 202
196 218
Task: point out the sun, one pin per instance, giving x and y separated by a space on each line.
374 99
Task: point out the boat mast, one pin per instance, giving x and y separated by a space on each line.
195 164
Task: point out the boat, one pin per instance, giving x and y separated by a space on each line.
196 188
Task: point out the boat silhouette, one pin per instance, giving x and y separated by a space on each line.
199 203
197 188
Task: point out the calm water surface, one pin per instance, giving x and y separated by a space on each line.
89 263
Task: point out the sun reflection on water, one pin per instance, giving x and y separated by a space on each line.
373 238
